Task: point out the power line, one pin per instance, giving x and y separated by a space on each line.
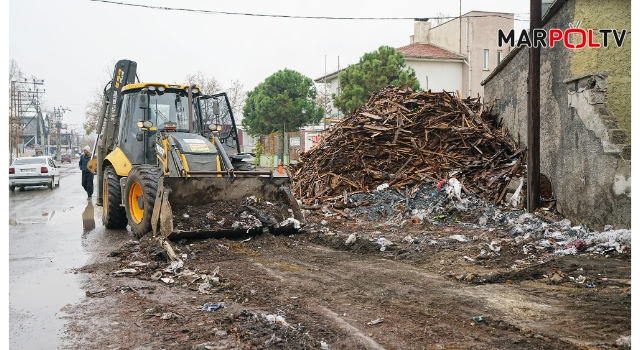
211 12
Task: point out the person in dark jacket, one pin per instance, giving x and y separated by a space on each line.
87 175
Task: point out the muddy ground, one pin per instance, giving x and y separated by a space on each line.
433 288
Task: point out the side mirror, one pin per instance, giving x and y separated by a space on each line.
216 107
143 101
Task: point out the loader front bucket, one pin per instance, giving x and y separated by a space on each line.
190 207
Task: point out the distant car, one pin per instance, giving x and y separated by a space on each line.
33 171
65 158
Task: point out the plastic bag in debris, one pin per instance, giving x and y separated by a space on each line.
289 223
213 306
459 238
515 198
624 341
580 244
174 267
384 243
277 319
618 239
454 188
382 187
351 239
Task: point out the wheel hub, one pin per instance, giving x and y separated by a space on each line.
136 202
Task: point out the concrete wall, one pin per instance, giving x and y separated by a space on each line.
443 74
478 34
590 181
613 14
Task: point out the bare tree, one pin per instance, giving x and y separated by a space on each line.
237 98
208 86
92 111
323 99
15 73
440 18
93 107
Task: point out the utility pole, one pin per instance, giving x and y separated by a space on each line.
533 117
58 112
24 99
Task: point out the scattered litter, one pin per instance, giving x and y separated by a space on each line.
272 340
351 239
97 294
579 244
459 238
515 198
468 258
276 319
590 285
246 240
384 243
454 188
174 267
167 280
382 187
138 264
213 306
168 316
580 279
156 276
624 341
123 289
376 321
324 346
478 319
494 246
289 223
124 272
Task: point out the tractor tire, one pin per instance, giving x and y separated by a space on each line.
12 188
113 214
140 197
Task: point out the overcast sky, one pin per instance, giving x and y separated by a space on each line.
70 43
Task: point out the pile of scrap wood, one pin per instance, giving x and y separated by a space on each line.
404 138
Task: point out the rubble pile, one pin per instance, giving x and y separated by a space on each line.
248 214
402 138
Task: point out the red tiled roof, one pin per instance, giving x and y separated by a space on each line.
427 51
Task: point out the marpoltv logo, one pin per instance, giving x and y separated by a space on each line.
572 37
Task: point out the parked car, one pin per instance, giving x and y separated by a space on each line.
33 171
65 158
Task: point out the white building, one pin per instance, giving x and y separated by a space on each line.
456 55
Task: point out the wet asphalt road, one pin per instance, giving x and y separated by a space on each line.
51 233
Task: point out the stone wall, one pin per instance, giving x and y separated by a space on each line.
588 167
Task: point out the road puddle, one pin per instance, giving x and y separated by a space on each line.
28 218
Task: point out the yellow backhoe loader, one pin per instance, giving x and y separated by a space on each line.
167 160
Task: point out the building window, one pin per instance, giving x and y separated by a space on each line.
485 62
499 56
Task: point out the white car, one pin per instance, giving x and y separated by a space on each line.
33 171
